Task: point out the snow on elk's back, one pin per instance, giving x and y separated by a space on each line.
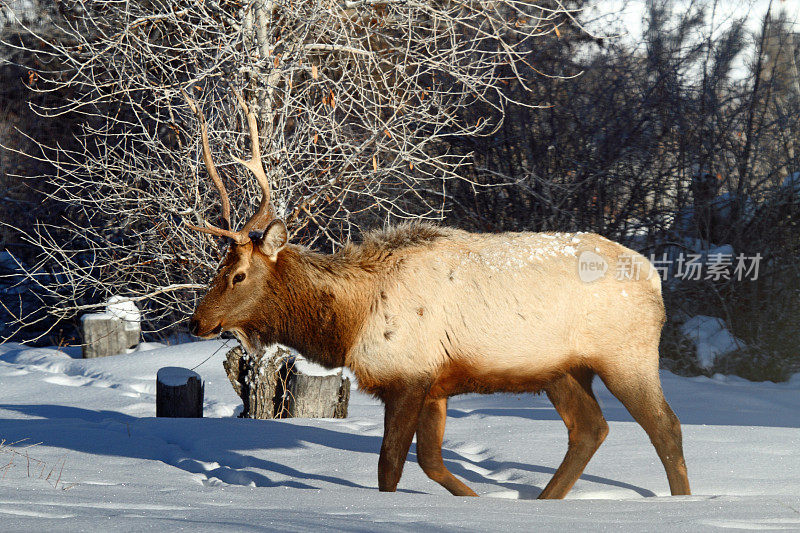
518 250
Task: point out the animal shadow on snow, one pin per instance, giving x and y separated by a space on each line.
217 448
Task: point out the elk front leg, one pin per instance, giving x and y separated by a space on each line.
430 433
400 422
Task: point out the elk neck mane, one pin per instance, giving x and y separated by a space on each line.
327 298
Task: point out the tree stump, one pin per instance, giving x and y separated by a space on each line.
317 396
179 393
255 382
272 387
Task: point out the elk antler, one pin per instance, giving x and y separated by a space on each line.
265 212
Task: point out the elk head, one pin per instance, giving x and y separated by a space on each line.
236 298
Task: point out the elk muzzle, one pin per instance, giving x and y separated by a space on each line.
196 329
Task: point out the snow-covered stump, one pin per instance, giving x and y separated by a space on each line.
113 332
278 385
179 393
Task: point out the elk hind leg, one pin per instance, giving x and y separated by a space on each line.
430 433
639 390
574 400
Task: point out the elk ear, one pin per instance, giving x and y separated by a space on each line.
274 239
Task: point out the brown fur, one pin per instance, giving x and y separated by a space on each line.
457 378
421 313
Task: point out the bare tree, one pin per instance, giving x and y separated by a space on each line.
359 102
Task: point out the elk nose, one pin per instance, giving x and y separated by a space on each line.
194 326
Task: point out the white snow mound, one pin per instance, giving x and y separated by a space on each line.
711 338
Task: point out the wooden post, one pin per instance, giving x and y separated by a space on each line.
179 393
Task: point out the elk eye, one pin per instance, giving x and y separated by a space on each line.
238 278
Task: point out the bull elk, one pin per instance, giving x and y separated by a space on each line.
420 313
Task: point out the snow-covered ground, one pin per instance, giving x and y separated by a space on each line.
106 463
